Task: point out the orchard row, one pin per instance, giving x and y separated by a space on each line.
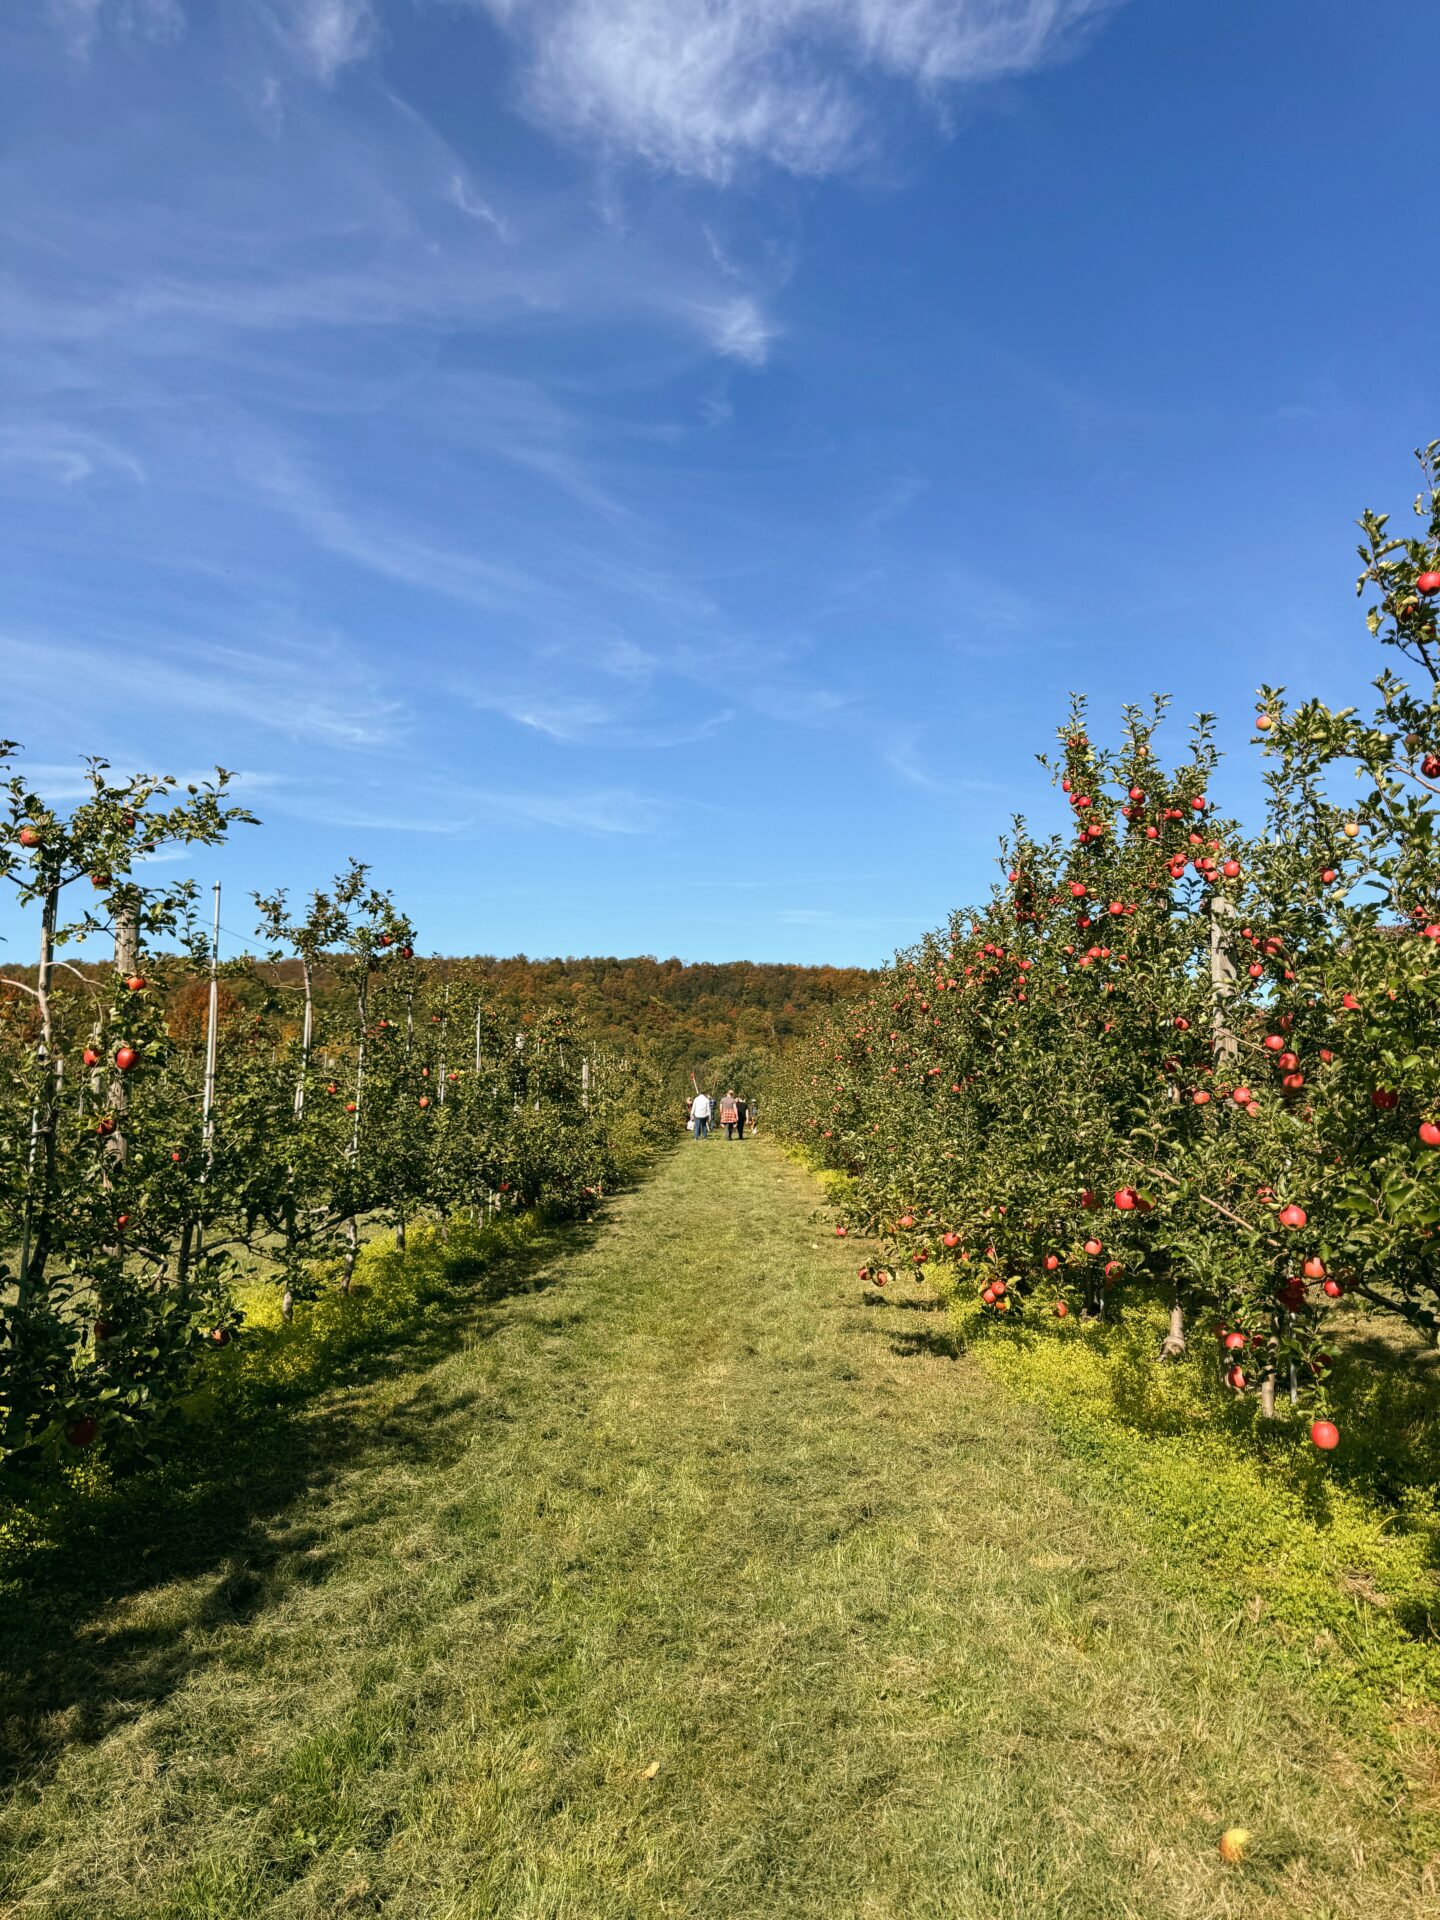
171 1128
1173 1052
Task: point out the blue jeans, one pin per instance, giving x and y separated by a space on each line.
702 1127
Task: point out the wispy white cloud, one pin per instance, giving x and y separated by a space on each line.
573 720
919 765
82 21
64 780
303 683
461 194
701 86
737 328
68 454
330 35
455 809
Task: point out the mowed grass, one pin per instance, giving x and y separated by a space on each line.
685 1581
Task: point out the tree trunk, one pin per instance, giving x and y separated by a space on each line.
1267 1379
1222 980
127 962
307 1033
1173 1345
352 1151
189 1239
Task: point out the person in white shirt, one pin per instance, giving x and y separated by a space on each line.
700 1114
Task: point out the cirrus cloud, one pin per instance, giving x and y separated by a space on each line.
701 86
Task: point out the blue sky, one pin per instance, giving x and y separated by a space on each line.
644 474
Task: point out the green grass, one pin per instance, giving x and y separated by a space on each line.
667 1493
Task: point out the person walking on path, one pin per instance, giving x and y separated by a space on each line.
700 1114
741 1113
729 1113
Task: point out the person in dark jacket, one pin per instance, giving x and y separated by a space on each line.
742 1113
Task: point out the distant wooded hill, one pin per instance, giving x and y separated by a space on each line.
687 1015
720 1015
690 1015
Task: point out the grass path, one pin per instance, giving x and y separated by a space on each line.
689 1583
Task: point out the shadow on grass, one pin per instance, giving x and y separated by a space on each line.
1383 1392
234 1503
939 1346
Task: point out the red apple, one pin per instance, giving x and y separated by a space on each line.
1292 1216
1428 583
840 1232
424 1101
1314 1268
1061 1309
125 1058
90 1057
1125 1199
1093 1247
1430 1133
1325 1435
82 1431
950 1239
